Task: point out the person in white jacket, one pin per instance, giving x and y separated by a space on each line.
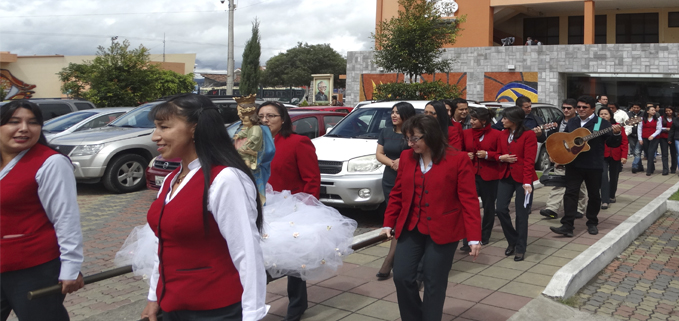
620 116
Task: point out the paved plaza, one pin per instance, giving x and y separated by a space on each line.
492 288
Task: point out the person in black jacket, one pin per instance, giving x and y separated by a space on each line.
634 146
531 121
587 167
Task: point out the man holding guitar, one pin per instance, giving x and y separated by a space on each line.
587 166
532 121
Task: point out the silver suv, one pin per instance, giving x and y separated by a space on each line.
117 155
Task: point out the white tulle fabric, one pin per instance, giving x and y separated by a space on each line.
301 237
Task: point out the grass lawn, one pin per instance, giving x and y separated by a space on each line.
675 196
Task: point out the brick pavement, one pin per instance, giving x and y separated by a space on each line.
643 282
492 288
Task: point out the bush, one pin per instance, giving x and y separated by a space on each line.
304 103
416 91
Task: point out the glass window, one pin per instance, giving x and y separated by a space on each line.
673 19
138 118
364 123
83 106
100 121
576 29
306 127
544 30
229 112
331 121
65 122
637 28
51 110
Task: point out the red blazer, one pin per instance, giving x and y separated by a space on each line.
488 169
455 135
454 209
295 166
618 152
525 148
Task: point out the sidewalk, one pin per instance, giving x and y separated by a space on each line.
492 288
643 283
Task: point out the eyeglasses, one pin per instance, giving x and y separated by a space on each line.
566 108
430 113
581 107
269 116
413 139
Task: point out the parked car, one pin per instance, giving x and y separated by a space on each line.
117 154
308 123
339 109
81 120
548 112
55 107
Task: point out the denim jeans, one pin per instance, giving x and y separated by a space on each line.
637 154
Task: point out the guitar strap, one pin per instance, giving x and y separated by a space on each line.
598 124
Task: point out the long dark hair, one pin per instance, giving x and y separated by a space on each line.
516 115
484 115
655 117
431 133
441 116
612 121
286 126
664 116
213 144
405 110
7 111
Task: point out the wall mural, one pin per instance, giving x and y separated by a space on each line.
508 86
370 81
14 88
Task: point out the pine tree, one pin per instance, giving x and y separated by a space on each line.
250 72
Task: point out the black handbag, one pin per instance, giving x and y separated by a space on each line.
550 179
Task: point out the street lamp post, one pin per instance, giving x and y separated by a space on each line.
230 61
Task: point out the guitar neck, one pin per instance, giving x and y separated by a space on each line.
597 134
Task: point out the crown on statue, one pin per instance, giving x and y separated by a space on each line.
247 104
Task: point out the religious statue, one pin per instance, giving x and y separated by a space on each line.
249 139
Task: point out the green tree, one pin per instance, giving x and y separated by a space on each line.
120 76
411 43
295 66
250 72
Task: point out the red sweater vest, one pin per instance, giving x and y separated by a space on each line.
196 271
648 128
417 216
21 213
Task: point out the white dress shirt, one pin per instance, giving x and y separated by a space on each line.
658 128
232 202
583 122
59 197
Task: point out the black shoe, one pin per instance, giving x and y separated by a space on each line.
579 215
592 230
648 174
510 250
665 172
612 200
673 172
563 230
519 257
634 170
548 213
465 248
485 242
382 276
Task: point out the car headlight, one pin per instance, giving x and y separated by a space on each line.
87 150
152 161
367 163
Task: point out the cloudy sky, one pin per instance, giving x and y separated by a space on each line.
78 27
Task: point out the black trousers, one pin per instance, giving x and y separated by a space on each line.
574 178
609 179
487 190
413 247
297 296
14 287
650 146
518 236
233 312
668 149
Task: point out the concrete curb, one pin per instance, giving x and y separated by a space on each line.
576 273
541 308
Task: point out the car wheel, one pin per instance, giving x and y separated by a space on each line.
543 161
125 173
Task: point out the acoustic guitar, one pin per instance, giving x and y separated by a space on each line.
563 148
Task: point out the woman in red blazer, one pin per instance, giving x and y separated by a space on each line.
517 148
294 168
481 144
452 131
614 158
431 207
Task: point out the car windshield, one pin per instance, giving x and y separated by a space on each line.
137 118
363 123
65 122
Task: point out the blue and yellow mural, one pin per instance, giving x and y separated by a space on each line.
508 86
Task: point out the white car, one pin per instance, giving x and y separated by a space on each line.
351 176
81 120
